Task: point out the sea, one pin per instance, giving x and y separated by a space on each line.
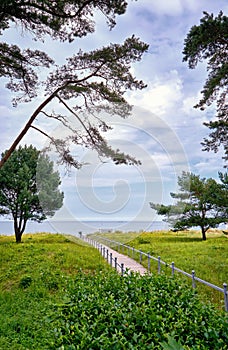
76 227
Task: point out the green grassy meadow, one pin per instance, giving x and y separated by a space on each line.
33 277
209 259
58 293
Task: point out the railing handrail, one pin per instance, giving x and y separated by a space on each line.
173 267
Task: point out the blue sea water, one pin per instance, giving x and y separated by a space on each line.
85 227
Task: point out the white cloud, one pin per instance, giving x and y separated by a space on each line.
161 95
164 7
209 165
189 103
177 8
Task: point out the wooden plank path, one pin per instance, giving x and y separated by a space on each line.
124 260
128 263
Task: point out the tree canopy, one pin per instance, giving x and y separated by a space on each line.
29 188
200 203
62 20
209 41
88 85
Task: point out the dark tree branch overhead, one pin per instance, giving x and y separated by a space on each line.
64 20
78 118
61 148
89 83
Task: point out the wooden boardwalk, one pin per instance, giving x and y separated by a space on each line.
129 263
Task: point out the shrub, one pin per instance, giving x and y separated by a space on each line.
107 311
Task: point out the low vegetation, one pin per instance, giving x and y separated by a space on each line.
56 292
134 312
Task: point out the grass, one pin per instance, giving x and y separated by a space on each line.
58 293
43 254
118 236
186 249
33 276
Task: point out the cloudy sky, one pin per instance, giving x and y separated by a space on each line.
164 131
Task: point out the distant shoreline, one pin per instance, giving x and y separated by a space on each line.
85 227
76 228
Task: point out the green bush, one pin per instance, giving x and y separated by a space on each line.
108 311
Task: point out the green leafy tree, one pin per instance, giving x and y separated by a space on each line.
209 41
200 202
87 86
29 188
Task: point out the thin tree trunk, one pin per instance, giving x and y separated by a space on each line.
203 228
203 233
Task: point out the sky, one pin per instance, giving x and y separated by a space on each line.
164 130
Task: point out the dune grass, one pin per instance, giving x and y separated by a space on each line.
43 255
209 259
33 277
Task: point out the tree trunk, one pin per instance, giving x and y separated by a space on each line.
17 231
18 237
203 233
